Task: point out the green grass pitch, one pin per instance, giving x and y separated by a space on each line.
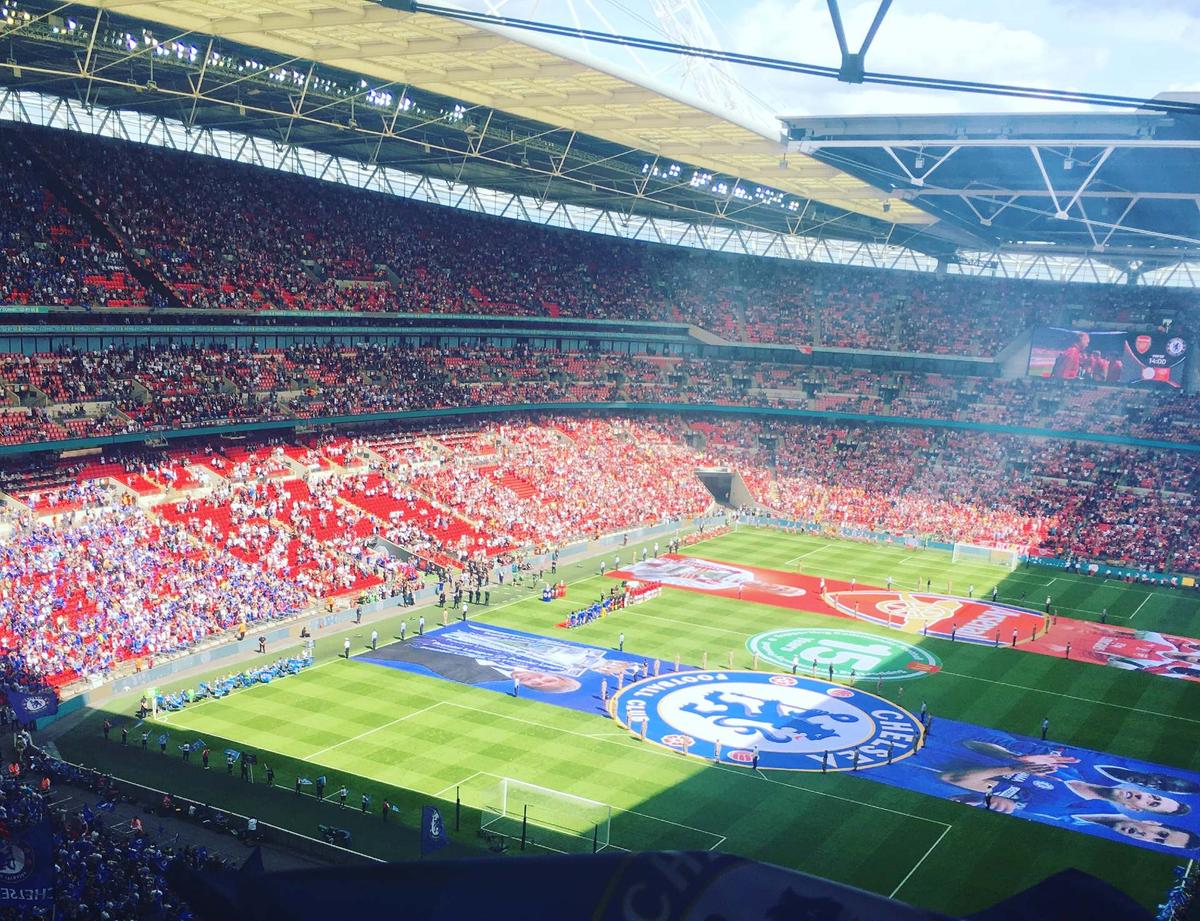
419 740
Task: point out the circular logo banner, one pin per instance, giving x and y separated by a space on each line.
791 723
868 655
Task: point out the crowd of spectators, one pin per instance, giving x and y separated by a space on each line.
102 868
48 252
92 578
290 242
575 477
111 584
1133 506
146 389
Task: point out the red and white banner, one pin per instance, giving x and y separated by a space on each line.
1121 647
969 620
729 580
929 614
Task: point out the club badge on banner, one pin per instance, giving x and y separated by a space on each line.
754 719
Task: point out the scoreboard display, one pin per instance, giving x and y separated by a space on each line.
1155 359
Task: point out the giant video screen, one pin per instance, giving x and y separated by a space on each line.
1109 356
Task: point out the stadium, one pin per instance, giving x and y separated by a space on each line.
606 495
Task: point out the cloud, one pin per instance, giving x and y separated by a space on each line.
1041 43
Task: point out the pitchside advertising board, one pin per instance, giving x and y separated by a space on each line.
1109 356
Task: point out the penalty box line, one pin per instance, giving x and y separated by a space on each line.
628 745
796 559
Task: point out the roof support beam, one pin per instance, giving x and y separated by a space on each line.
1090 176
1117 194
1059 212
1121 220
812 146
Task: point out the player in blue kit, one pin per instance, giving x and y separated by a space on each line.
1048 785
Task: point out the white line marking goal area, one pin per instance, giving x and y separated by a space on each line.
564 822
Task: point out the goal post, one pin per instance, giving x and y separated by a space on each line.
1006 555
540 817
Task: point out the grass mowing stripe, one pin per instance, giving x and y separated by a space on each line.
893 836
635 746
1087 700
363 735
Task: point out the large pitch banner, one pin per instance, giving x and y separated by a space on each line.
756 719
550 670
944 616
1107 796
966 619
729 580
765 720
1120 647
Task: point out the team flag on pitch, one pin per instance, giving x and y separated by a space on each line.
233 753
433 831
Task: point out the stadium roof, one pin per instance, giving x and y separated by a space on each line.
1124 186
463 102
480 109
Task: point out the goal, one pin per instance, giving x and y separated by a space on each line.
1006 555
533 816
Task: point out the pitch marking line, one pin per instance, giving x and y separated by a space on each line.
1138 608
361 735
628 745
461 783
1089 700
809 553
917 865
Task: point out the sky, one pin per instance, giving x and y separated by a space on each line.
1102 46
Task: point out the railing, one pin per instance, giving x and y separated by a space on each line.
1181 895
132 438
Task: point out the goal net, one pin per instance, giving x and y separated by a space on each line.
1005 555
544 818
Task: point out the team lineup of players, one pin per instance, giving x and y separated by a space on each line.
1077 363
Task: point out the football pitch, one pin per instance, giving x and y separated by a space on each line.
417 740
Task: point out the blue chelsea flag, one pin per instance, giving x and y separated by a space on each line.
433 831
32 705
27 868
